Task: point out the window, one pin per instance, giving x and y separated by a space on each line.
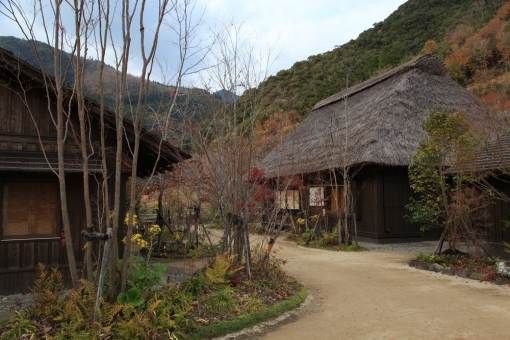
317 196
29 209
288 199
337 200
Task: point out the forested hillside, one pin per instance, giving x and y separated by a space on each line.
480 59
387 44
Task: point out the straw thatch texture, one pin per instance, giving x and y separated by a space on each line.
382 118
495 156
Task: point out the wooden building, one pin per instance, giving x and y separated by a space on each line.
30 214
374 128
494 164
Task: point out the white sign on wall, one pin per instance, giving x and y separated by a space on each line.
317 196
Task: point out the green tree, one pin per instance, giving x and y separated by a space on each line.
446 149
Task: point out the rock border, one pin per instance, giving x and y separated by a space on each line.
464 273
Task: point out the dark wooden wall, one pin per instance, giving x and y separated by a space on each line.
368 201
20 114
499 214
19 258
381 195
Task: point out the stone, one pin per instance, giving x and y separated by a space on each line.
412 263
422 265
502 281
448 271
436 267
464 273
476 276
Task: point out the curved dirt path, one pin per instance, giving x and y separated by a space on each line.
375 295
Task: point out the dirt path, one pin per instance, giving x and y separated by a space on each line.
375 295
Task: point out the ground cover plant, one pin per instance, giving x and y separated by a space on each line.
462 261
213 302
326 240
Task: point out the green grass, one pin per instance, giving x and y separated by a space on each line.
351 248
184 257
248 320
4 322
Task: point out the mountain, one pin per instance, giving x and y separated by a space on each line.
226 96
385 45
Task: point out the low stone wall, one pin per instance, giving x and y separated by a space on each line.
435 267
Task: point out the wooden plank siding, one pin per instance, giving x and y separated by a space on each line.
19 258
381 195
369 202
499 213
397 193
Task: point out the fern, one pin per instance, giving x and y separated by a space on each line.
108 312
79 306
253 304
21 327
47 290
132 325
221 269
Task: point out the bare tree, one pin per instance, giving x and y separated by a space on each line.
224 147
69 42
56 39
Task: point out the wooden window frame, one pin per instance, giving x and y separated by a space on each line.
320 198
58 221
334 195
332 200
282 199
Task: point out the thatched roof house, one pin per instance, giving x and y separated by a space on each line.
382 117
375 128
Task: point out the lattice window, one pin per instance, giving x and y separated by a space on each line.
288 199
29 209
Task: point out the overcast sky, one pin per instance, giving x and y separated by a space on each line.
296 29
302 28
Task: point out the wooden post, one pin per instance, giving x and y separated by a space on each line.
273 239
247 249
100 285
355 230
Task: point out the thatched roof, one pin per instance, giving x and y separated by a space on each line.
11 67
382 117
495 156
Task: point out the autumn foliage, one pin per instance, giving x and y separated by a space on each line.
473 52
272 131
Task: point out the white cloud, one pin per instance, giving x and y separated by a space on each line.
297 28
304 27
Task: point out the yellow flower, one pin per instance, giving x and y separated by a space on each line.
155 229
136 237
177 236
135 219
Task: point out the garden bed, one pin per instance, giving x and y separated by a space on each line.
215 301
461 265
326 241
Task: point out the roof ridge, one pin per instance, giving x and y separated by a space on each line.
375 80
